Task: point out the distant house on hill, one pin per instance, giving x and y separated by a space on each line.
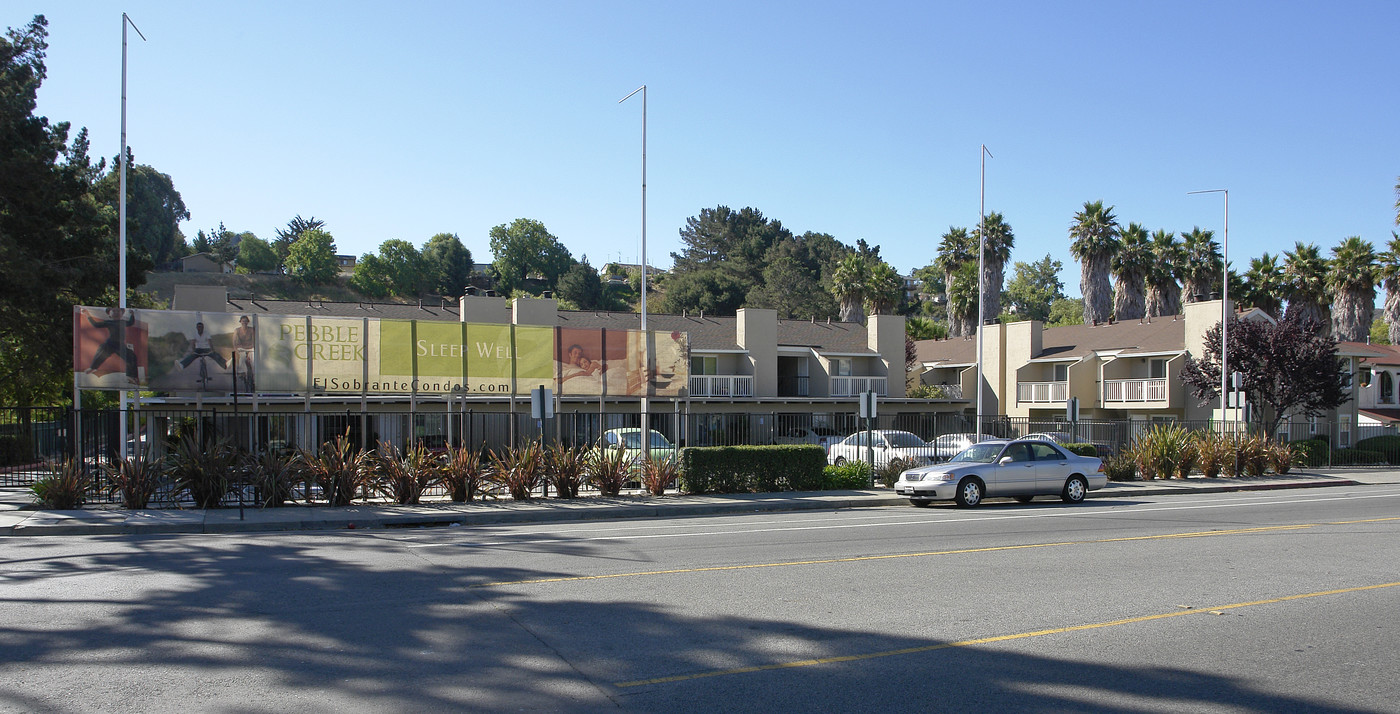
203 263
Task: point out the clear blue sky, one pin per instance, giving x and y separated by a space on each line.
862 120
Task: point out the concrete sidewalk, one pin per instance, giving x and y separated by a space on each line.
18 519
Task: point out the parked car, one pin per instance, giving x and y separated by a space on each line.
900 448
949 445
819 435
1060 437
630 440
1021 469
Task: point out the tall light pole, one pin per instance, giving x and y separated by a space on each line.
646 383
1224 302
981 283
121 229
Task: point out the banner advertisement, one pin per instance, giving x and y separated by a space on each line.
181 351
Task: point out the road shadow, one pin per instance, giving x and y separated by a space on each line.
334 621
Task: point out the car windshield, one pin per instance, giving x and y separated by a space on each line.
904 440
979 454
633 440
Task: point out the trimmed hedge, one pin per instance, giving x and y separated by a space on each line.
752 469
1387 445
851 475
1082 449
1357 457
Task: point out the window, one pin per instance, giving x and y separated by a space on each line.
841 367
1046 452
1387 387
1061 373
1365 376
704 365
1158 368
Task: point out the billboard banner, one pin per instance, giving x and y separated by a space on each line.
180 351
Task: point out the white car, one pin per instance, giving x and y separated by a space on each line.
949 445
898 448
819 435
1021 469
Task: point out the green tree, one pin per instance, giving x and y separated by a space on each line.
713 291
448 264
922 328
737 241
1353 281
57 240
372 276
1163 290
282 244
524 248
955 250
793 289
996 251
1130 266
1201 262
1035 287
405 265
1380 332
1093 241
255 255
848 285
1065 312
1388 271
582 288
311 259
884 288
1307 292
154 210
1265 285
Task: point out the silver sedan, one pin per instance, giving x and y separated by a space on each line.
1020 469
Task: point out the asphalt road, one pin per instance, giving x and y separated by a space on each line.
1237 602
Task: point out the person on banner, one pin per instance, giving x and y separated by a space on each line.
245 339
114 345
579 365
201 346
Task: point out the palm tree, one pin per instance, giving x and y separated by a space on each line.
1200 263
1130 266
962 299
1094 240
1352 278
848 286
883 288
955 250
1306 271
996 251
1265 284
1389 273
1163 291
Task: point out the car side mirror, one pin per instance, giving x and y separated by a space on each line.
1005 460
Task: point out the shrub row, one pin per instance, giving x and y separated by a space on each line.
752 469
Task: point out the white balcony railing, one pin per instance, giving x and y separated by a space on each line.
852 386
1042 392
1134 390
721 385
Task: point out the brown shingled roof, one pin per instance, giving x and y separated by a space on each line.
1160 335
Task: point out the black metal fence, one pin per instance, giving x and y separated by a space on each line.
33 437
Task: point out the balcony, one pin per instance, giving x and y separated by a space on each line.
721 385
794 386
1121 391
1042 392
852 386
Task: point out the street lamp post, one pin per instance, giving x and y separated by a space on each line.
121 231
1224 303
646 425
981 282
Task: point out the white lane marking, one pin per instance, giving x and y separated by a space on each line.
1113 511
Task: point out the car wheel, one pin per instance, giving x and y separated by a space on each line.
840 461
921 503
969 493
1075 490
1024 499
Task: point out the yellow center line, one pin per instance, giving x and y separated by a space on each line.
926 554
988 640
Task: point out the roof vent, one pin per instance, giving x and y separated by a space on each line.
471 289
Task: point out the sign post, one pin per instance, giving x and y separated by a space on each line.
542 408
867 411
1072 416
